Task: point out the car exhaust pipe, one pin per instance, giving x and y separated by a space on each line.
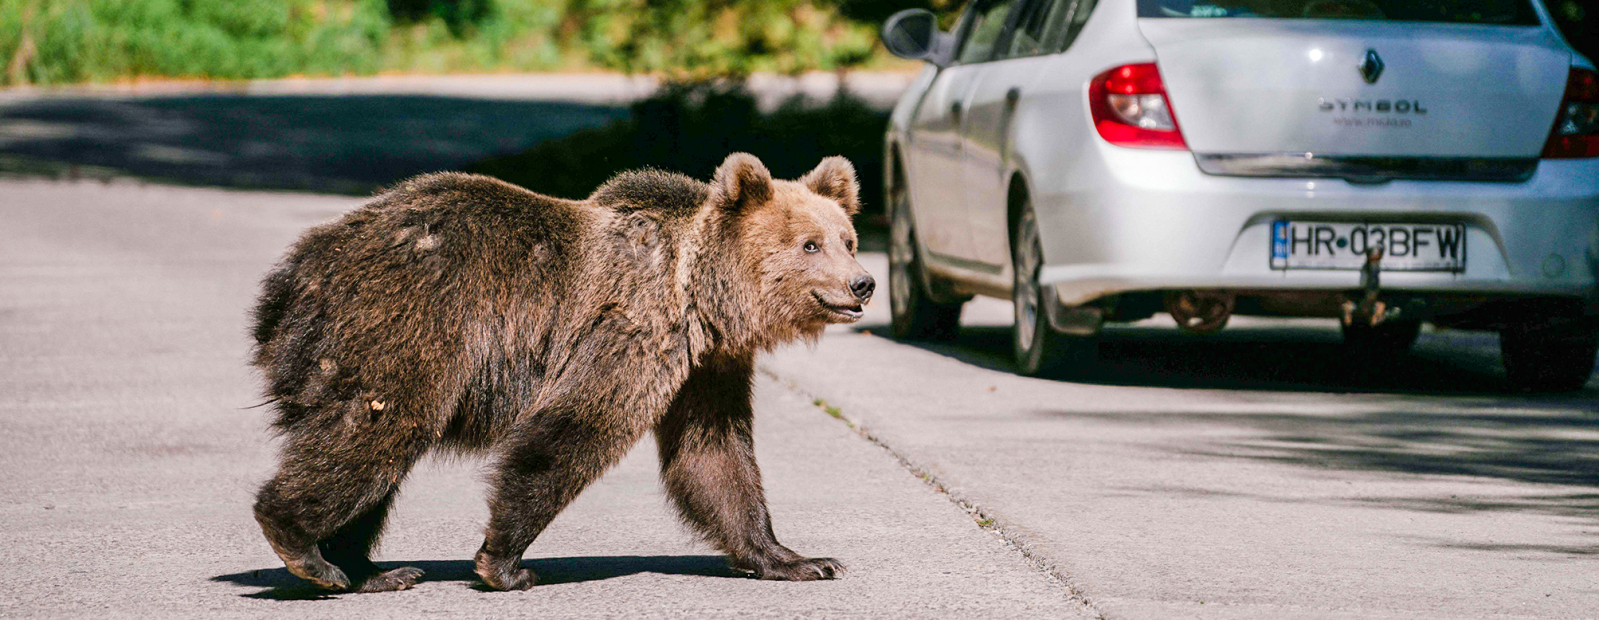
1200 312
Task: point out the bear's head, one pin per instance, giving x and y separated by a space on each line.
797 240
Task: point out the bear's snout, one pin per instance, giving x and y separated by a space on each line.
862 286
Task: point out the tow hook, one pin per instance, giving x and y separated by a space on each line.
1369 309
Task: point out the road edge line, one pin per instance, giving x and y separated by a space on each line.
984 518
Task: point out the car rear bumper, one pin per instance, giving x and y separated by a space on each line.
1151 220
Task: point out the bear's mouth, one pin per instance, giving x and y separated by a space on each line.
852 312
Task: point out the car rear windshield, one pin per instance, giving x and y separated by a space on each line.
1498 12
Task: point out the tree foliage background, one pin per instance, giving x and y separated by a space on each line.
57 41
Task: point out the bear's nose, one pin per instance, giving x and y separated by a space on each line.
862 285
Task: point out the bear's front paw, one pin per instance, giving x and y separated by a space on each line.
803 569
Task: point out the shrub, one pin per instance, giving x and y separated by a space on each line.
54 41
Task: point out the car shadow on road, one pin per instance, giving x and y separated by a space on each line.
1444 411
1507 439
349 144
278 584
1283 359
1550 443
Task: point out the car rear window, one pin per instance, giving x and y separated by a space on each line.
1497 12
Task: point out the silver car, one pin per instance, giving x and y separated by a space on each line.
1384 162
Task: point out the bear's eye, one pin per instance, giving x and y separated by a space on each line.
811 247
849 246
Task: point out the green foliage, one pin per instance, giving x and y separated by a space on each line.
877 11
690 127
55 41
1579 21
720 37
460 16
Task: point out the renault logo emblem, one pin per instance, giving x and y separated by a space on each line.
1371 67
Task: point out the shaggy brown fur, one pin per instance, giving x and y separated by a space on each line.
463 313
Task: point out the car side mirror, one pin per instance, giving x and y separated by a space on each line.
913 34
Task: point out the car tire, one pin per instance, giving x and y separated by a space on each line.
1549 358
1387 338
1036 347
915 314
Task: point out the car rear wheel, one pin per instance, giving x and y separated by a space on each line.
915 314
1549 358
1386 338
1037 348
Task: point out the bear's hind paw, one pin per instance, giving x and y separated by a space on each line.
503 573
519 579
321 573
391 581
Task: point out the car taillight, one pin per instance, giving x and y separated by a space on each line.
1130 108
1576 132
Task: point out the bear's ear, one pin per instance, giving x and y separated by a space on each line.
835 178
742 180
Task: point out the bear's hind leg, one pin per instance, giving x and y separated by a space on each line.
708 464
545 464
332 494
292 541
350 549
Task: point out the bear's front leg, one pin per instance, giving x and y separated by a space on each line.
708 464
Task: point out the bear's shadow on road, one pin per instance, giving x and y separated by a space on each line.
280 585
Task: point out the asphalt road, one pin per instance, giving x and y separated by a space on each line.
129 456
1255 474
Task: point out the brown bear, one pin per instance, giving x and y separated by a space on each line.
463 313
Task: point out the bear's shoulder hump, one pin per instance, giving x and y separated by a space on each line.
658 191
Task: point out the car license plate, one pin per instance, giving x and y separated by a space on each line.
1339 245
